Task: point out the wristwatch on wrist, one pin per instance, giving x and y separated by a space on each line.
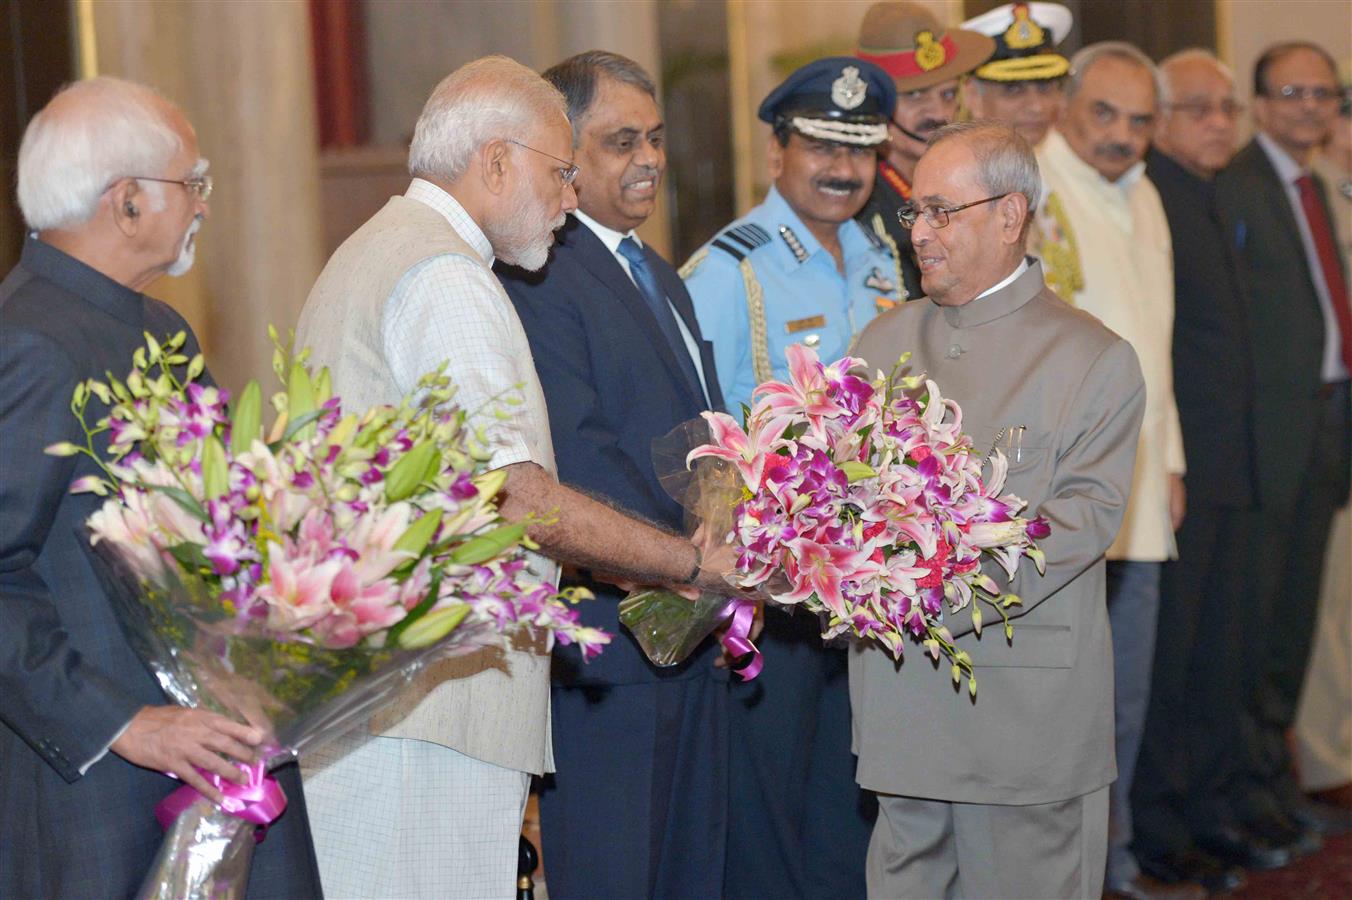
699 564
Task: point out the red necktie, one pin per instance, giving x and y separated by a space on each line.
1318 220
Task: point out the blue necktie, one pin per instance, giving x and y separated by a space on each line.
657 302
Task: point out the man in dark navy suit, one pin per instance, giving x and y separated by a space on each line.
113 190
638 805
1277 210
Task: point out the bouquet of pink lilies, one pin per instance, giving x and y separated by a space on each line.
862 500
294 578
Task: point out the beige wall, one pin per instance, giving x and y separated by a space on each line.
241 71
1246 27
413 44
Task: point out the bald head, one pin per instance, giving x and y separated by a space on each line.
1200 115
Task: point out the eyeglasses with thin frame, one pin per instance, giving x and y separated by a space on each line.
1198 110
200 184
1295 93
937 216
568 171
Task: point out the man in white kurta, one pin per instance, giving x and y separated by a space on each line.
1093 165
429 803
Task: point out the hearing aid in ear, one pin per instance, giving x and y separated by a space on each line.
131 209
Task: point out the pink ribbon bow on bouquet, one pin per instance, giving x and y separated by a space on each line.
259 801
737 639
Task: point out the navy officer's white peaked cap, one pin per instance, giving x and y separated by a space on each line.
841 98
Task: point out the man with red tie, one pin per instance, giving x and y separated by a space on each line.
1277 212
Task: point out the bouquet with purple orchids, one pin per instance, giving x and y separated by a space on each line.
861 500
293 579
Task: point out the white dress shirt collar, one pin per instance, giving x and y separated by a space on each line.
609 236
1008 280
429 194
1288 170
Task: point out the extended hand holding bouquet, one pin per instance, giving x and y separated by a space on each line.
293 579
863 501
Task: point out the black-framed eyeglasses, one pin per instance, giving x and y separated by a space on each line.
200 184
937 216
568 171
1295 93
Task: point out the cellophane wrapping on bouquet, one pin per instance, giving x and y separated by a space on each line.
857 497
294 580
667 626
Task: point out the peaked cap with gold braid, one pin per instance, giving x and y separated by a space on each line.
1026 35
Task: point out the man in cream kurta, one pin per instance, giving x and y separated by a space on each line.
1093 165
429 804
1004 795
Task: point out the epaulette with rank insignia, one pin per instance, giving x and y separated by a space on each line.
795 246
740 240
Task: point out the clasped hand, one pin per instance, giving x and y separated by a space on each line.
178 741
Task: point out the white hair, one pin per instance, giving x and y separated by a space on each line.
91 134
1084 60
1005 162
488 99
1192 54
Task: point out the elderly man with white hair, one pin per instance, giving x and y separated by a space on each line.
430 802
1006 796
113 191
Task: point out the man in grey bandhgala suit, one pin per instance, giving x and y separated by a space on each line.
85 732
1007 794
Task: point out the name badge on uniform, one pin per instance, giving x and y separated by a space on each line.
879 281
798 325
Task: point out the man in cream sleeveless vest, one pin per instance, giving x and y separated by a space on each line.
429 802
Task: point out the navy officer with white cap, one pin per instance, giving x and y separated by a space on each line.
798 269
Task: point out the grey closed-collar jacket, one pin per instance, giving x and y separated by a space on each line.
1041 727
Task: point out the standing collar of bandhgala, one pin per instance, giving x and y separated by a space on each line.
1007 297
429 194
1060 152
60 268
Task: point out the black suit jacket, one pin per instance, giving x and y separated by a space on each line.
1213 374
1285 322
69 681
613 385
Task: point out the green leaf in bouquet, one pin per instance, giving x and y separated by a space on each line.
190 556
414 539
412 469
323 387
296 423
487 546
215 469
183 499
432 627
300 397
247 417
856 471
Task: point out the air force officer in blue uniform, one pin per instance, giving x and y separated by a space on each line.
798 269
